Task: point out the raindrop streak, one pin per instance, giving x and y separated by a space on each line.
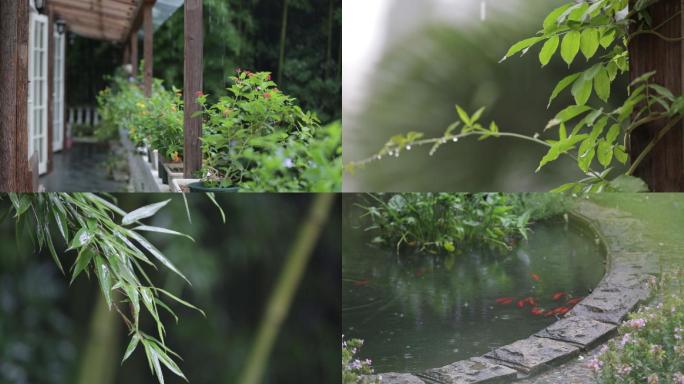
483 10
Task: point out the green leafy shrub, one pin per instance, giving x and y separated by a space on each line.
650 345
448 222
259 140
156 121
354 369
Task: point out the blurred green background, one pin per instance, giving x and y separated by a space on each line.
50 332
432 55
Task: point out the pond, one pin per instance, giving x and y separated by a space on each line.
418 311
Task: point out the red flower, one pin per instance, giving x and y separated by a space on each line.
199 94
267 95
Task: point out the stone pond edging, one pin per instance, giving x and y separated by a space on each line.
590 323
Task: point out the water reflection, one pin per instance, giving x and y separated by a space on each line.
422 311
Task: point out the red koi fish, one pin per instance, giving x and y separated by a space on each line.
420 272
537 311
558 295
574 301
562 310
521 303
361 283
535 277
531 301
504 300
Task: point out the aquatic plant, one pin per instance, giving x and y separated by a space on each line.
354 369
450 222
650 345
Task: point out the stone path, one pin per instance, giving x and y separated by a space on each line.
538 359
81 169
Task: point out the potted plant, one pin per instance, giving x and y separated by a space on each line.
238 126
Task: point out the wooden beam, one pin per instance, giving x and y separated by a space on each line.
663 168
149 45
193 68
126 54
134 54
14 36
50 87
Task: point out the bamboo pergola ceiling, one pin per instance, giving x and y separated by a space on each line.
110 20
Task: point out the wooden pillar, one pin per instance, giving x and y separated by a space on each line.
194 64
14 34
663 169
149 49
134 53
50 87
126 55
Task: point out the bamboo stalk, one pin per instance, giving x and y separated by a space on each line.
283 293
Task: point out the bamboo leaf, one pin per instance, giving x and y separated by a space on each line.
156 253
143 212
131 347
104 276
147 228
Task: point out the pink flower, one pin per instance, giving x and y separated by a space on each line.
678 378
636 323
595 364
199 94
625 370
652 379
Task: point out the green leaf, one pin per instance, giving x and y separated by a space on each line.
551 21
148 228
476 116
104 276
552 155
463 115
562 85
143 212
82 262
605 153
131 347
548 50
51 247
570 46
621 154
613 133
412 136
589 42
183 302
523 44
80 238
586 154
155 252
607 38
602 84
568 114
581 90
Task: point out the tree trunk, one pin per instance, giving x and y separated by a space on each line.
283 35
663 168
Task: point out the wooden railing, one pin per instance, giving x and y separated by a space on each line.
82 116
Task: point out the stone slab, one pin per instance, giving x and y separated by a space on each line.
533 354
394 378
473 371
608 304
579 330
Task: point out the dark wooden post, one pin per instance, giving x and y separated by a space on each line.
149 49
134 53
14 31
663 169
126 55
50 87
194 44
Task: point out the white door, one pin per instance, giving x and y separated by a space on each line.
38 98
58 95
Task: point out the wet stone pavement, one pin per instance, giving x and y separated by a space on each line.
82 168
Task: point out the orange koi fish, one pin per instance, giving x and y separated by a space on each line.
504 300
558 295
535 277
